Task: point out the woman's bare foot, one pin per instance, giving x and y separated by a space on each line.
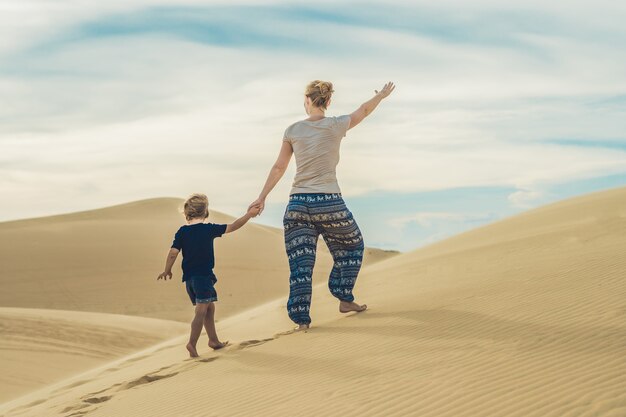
193 353
302 327
217 345
348 307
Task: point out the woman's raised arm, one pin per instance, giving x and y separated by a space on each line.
276 173
368 107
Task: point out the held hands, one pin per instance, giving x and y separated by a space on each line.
258 204
165 275
254 210
387 89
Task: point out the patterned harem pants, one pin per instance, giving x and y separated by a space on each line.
307 216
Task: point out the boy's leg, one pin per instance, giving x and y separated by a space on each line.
345 242
196 328
301 245
209 326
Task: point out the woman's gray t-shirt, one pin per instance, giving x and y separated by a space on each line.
316 148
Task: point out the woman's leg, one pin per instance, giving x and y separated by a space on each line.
301 245
345 242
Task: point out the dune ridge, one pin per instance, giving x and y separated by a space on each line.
524 317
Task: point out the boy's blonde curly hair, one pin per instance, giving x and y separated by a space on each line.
196 207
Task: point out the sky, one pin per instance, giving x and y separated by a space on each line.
500 107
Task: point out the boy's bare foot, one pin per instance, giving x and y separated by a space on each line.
193 353
302 327
217 345
347 307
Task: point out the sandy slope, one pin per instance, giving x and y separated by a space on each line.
42 346
526 317
107 260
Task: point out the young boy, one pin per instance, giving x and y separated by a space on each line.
196 241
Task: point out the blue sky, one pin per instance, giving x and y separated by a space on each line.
499 107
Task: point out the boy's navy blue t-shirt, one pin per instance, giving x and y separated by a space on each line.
196 243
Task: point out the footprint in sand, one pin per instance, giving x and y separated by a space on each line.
81 409
251 343
206 360
146 379
286 333
91 399
75 408
292 331
98 400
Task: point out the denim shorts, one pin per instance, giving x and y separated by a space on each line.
201 289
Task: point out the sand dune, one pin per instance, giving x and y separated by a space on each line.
107 260
42 346
525 317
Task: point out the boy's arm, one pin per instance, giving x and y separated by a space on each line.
252 212
171 258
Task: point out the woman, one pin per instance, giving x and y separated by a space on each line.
315 203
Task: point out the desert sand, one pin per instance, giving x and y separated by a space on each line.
39 346
106 261
523 317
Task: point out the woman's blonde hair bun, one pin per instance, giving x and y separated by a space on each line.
320 93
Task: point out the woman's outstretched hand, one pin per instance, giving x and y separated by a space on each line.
387 89
370 105
260 203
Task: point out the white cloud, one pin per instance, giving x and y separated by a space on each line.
524 198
